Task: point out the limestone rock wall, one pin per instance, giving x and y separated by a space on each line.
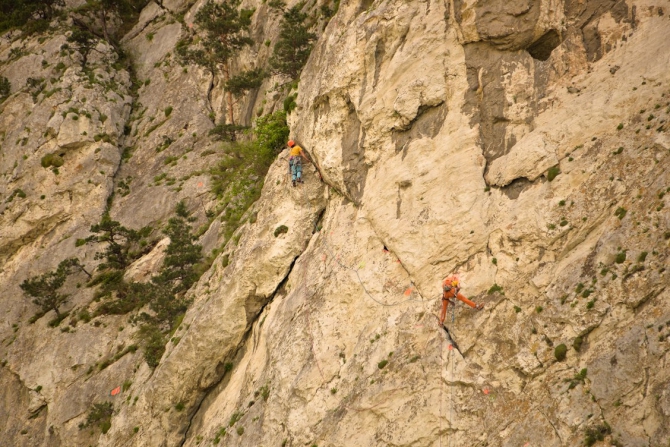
523 145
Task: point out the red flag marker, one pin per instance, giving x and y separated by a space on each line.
116 391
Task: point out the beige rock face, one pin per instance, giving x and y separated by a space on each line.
523 145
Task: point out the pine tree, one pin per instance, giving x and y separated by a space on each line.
294 46
36 14
182 255
84 41
225 29
44 288
123 244
247 80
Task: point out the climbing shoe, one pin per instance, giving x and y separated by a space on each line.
293 182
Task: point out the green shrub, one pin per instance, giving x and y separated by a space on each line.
620 257
168 111
265 392
99 415
560 352
54 160
595 434
281 230
539 309
577 379
517 309
620 212
5 88
495 288
553 172
577 343
84 316
236 416
382 364
289 103
642 257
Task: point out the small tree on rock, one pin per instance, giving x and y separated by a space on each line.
44 288
182 254
123 244
84 41
294 45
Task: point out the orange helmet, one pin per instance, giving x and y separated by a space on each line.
291 143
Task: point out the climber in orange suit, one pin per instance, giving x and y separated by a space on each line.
450 289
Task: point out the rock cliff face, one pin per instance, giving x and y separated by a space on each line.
523 145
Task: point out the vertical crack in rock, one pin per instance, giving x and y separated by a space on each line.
241 346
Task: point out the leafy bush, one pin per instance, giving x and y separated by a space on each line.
54 160
495 288
237 179
577 343
598 433
281 229
560 352
271 133
553 172
5 88
382 364
620 257
620 212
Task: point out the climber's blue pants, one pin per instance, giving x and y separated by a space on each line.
296 169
